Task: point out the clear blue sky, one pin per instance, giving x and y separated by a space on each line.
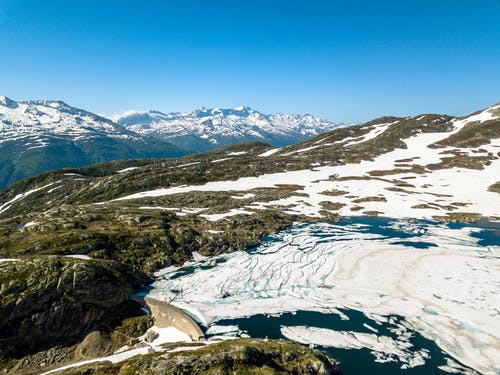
345 60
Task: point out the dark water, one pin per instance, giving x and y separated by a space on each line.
354 361
489 234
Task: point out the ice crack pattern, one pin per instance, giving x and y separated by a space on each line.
448 291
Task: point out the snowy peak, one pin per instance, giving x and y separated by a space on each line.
9 103
51 117
207 128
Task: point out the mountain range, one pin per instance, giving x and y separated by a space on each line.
206 129
42 135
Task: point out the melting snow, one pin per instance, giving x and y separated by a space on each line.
237 153
4 207
270 152
127 169
384 348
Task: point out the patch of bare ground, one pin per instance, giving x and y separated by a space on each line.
399 190
435 206
370 199
372 213
409 160
462 161
456 217
332 206
334 192
414 168
403 184
495 187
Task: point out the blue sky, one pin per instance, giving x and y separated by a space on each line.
348 60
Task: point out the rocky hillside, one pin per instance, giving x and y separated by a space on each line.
424 159
41 135
206 129
242 356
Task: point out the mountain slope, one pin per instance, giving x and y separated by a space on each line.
206 129
37 136
151 214
399 162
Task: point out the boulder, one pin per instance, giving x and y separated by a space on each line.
151 336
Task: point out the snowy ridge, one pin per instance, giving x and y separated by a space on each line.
44 117
223 126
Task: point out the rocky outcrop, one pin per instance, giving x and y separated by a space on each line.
50 301
96 344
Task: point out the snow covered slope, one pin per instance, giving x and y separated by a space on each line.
426 166
206 129
42 135
421 167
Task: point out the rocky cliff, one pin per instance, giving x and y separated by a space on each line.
54 300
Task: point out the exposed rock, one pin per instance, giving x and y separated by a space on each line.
94 345
50 301
151 336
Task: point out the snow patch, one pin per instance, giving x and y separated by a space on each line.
127 169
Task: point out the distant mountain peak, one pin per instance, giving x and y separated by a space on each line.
7 102
57 104
241 108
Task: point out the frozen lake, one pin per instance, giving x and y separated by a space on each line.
377 293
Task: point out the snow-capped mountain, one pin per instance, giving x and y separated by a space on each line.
41 135
45 117
205 128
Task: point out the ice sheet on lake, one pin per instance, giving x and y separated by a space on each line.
449 293
384 348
